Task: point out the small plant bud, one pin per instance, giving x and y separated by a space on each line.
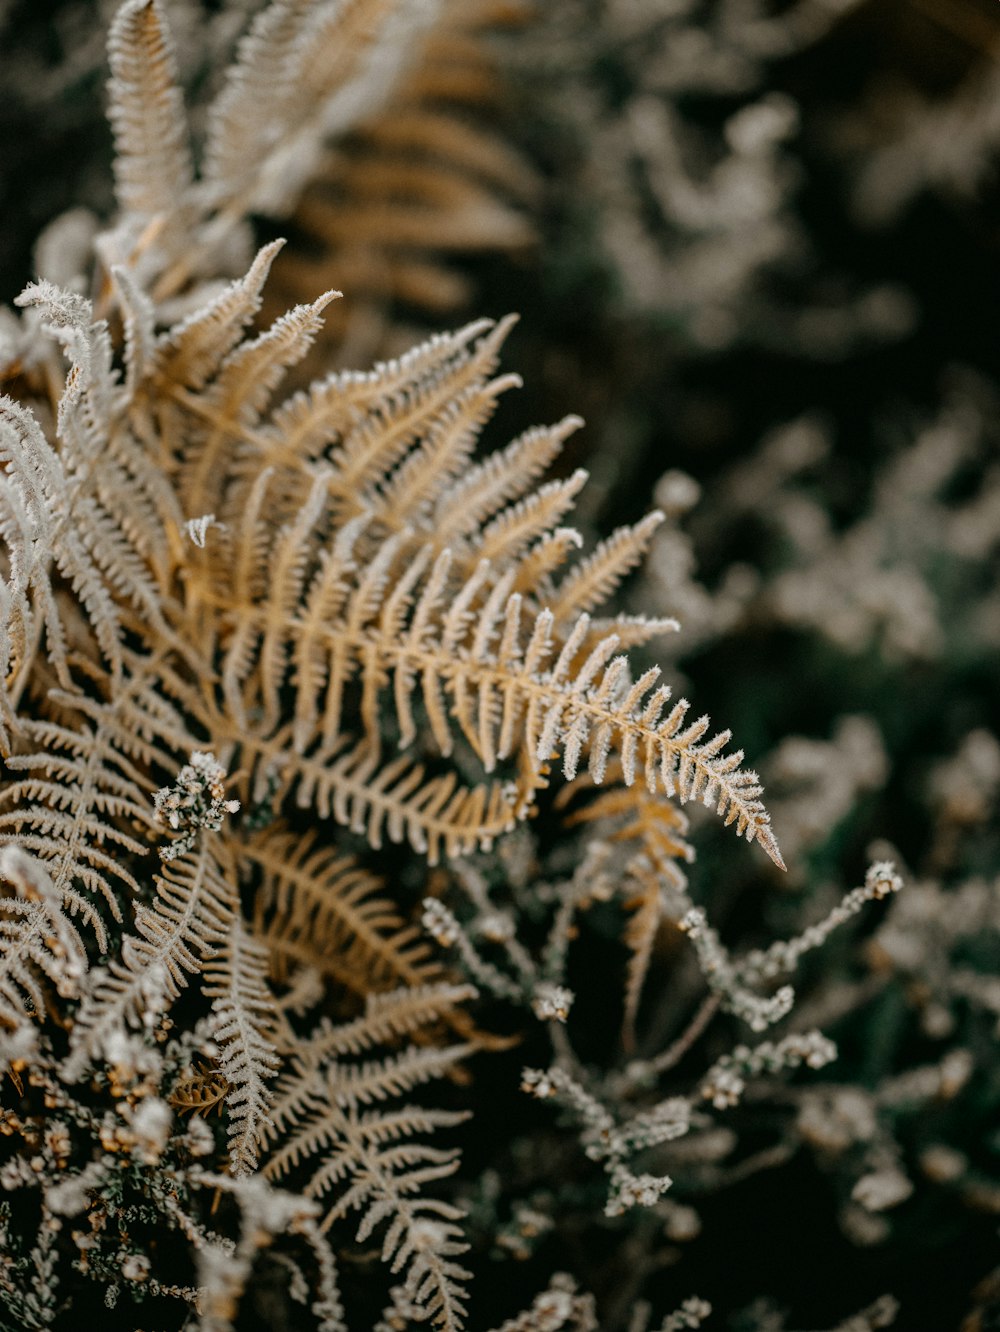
551 1003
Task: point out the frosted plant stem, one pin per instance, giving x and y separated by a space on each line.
644 1072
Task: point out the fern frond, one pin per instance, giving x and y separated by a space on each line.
594 579
518 526
649 819
189 918
200 1092
407 497
387 1016
377 1080
436 815
251 372
324 416
263 73
424 176
318 1116
443 210
383 1131
190 352
630 630
422 1238
111 511
153 171
139 318
646 906
369 424
71 807
308 1098
244 1017
501 685
38 942
432 133
385 1177
243 385
485 488
32 486
105 449
319 68
317 907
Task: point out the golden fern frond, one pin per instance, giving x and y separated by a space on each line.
497 681
315 66
78 794
593 581
317 907
631 630
423 177
657 827
485 488
380 1079
646 907
408 494
647 818
235 398
261 74
364 426
520 525
152 162
399 801
200 1092
191 561
365 1150
318 67
190 352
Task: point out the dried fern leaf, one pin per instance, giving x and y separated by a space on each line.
503 688
243 1021
200 1092
243 385
310 1096
436 815
466 505
263 72
318 907
189 353
153 171
387 1016
592 582
190 917
38 941
71 808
